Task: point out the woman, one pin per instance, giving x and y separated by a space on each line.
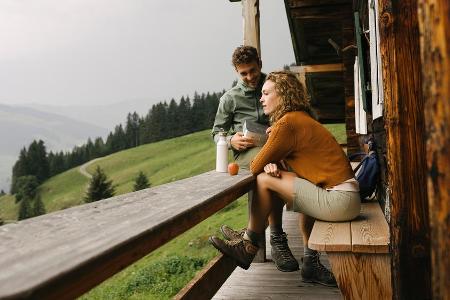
321 184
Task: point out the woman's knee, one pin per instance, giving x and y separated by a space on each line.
263 179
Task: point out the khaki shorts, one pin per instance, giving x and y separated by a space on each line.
332 206
244 159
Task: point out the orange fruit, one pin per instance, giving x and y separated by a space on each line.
233 168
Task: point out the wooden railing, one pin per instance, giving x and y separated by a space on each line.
63 254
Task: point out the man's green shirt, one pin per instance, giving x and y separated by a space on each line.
238 104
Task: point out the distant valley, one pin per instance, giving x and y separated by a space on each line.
20 125
106 116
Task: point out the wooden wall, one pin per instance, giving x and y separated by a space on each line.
405 145
375 128
434 20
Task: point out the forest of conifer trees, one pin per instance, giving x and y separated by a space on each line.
164 120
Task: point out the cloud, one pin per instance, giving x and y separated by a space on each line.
84 51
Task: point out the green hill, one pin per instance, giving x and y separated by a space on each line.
161 162
162 273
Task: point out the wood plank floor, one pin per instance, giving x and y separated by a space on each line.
264 281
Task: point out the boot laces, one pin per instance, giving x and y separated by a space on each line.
234 243
317 264
280 242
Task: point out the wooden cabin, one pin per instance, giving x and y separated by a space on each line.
397 90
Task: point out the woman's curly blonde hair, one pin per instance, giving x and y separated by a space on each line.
292 95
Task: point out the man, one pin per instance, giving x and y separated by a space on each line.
242 103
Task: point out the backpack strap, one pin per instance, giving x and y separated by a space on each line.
366 157
360 164
355 155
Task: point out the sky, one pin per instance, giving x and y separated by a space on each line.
84 52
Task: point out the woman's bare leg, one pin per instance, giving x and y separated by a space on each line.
266 185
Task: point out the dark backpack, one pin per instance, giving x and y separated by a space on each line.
367 173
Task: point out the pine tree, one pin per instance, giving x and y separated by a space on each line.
99 187
132 130
20 168
184 116
141 182
57 163
37 161
26 187
172 122
99 147
38 206
27 195
25 210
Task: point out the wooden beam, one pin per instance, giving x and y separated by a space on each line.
63 254
319 68
250 13
406 164
208 281
434 21
301 71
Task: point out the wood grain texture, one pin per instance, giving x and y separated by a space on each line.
250 13
434 21
206 283
370 231
328 236
406 164
264 281
317 68
63 254
362 276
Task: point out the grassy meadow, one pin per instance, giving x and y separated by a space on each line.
166 270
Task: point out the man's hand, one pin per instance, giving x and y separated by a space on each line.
241 143
269 130
272 170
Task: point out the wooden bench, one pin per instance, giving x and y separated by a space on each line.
358 252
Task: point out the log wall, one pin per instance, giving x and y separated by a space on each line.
434 20
405 145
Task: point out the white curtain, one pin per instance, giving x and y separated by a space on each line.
375 61
360 113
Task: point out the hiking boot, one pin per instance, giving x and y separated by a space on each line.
281 254
242 251
231 234
314 271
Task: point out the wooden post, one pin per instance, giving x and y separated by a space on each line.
434 21
348 60
406 163
250 13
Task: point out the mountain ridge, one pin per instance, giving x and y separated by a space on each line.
20 125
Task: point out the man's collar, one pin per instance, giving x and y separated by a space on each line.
249 90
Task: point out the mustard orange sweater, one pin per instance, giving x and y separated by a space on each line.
308 148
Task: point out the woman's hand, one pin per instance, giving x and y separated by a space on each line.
272 170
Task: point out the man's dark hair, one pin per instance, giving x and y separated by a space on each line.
245 55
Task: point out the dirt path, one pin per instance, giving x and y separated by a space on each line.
82 168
